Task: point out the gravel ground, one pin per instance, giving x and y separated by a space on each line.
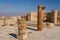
46 34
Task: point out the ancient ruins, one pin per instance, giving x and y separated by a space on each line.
53 16
40 17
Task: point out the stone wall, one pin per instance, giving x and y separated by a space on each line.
28 17
58 17
10 19
53 16
32 16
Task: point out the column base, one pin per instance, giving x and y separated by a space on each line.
22 37
40 28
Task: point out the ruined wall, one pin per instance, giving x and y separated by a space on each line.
10 19
58 17
28 17
32 16
54 16
48 16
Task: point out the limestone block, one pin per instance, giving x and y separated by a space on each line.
49 25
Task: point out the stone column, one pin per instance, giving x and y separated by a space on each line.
54 16
21 29
40 18
17 19
5 22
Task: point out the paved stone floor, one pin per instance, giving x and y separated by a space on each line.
10 32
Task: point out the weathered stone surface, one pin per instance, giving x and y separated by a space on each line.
40 18
5 22
49 25
21 29
54 16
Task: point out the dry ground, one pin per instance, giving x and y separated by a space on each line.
10 33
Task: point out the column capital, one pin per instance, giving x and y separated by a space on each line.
41 7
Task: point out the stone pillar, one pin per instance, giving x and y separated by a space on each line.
54 16
21 29
40 18
17 19
5 22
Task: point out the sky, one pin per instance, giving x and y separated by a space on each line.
21 7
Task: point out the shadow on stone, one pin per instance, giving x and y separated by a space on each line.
11 25
31 28
2 25
13 35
